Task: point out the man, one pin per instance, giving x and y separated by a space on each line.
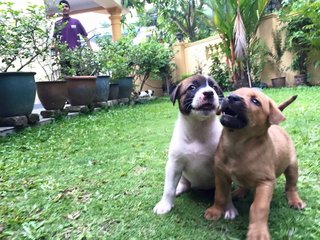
66 35
68 30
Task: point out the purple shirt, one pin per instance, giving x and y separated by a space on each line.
69 33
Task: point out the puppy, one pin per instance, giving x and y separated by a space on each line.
195 137
253 151
147 93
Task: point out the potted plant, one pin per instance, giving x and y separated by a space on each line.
114 58
52 92
81 70
152 58
23 38
275 58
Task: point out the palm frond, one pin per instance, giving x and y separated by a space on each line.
239 32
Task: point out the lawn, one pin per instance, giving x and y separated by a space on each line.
99 176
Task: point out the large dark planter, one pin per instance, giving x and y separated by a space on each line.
81 90
52 94
102 89
125 87
278 82
113 91
17 93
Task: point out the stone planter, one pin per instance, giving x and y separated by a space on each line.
17 93
81 90
52 94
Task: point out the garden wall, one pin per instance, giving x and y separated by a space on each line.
190 56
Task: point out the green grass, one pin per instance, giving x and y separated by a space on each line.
99 176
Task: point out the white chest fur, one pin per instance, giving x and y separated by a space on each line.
193 146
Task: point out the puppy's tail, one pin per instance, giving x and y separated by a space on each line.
286 103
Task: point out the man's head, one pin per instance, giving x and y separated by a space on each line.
65 7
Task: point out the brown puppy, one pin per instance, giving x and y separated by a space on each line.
253 151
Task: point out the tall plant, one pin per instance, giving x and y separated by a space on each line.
80 61
151 58
171 17
277 52
24 35
115 57
302 29
232 18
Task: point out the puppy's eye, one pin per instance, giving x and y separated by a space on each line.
192 87
256 102
215 87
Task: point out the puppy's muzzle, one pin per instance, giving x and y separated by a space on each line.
233 111
208 95
207 102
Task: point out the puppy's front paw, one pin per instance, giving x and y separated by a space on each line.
258 233
162 207
295 201
297 204
213 213
231 212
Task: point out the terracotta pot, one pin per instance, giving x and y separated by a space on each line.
52 94
81 90
17 93
278 82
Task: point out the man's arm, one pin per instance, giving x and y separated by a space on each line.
87 41
84 34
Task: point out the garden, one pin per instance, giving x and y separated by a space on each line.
98 175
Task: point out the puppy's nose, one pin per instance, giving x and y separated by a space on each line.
234 98
208 94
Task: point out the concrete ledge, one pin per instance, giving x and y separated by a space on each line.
71 111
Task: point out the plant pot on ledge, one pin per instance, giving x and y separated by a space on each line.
125 87
113 91
17 93
52 94
102 88
81 90
278 82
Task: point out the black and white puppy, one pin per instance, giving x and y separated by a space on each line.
147 93
194 141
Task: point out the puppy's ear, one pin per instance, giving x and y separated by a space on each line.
175 94
219 92
275 115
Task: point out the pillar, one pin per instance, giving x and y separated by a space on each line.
115 23
179 59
